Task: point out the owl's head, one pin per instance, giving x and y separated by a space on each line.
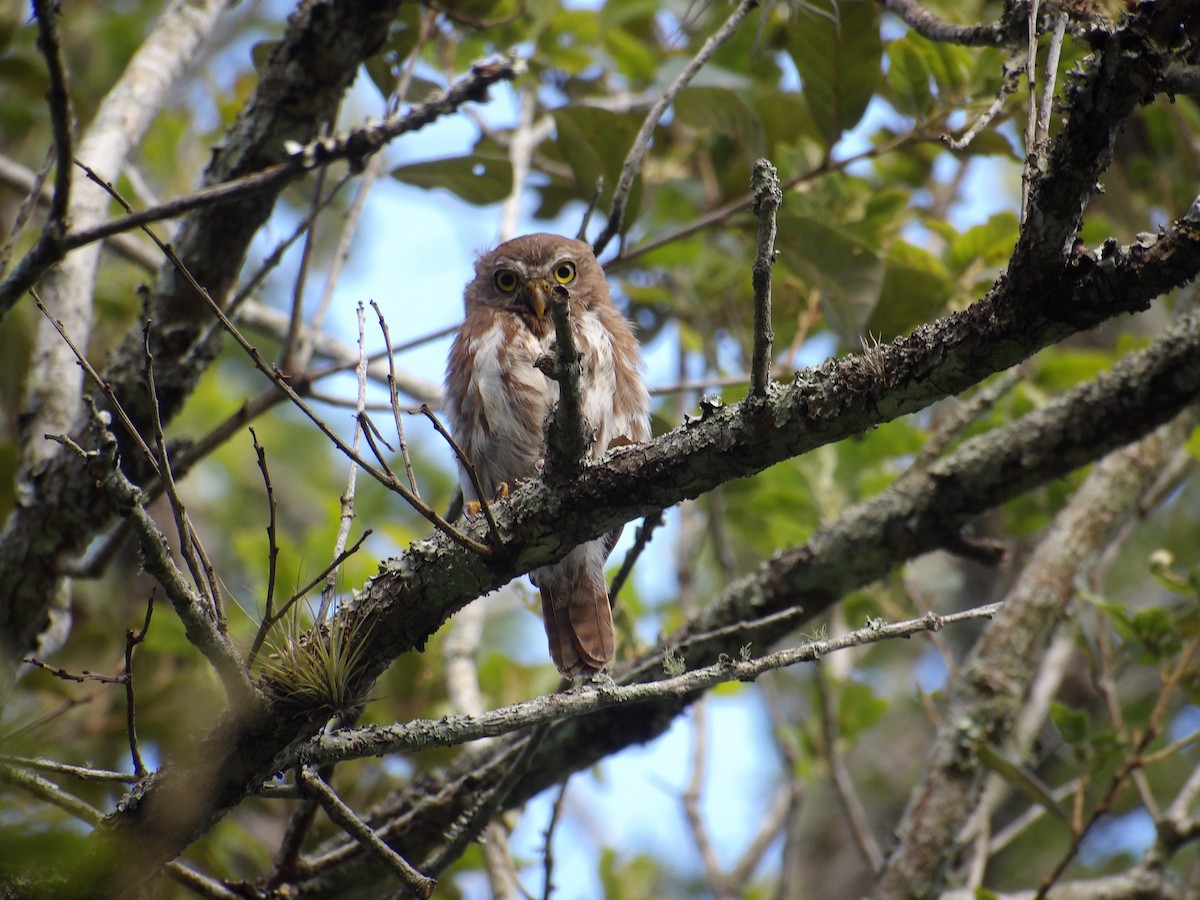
520 275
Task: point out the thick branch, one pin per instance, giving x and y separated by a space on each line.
568 433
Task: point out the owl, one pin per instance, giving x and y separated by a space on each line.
497 401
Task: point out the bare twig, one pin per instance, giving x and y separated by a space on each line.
587 698
1134 761
1011 80
268 618
394 398
931 27
641 538
856 816
1030 168
346 518
85 773
348 820
118 410
548 841
292 356
633 159
692 796
721 214
80 678
472 473
49 792
1053 53
49 245
189 542
131 641
767 198
37 194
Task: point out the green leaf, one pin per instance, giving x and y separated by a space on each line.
848 272
859 709
837 51
593 142
723 111
990 243
1073 724
910 76
1023 780
478 178
915 289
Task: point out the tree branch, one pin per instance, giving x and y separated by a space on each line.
767 197
998 673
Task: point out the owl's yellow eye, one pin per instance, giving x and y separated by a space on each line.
505 280
564 272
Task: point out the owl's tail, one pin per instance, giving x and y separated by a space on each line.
576 612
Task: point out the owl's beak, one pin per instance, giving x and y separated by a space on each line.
537 293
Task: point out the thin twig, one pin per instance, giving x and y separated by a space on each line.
349 821
556 812
194 613
767 198
346 518
117 408
692 796
291 355
324 573
49 792
1053 53
268 619
85 773
80 678
275 257
131 641
633 159
394 398
856 817
472 474
36 195
189 542
587 698
1132 763
1011 80
59 101
641 537
722 213
1030 168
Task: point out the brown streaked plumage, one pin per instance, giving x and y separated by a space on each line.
498 400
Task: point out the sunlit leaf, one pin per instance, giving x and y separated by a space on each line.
837 51
477 178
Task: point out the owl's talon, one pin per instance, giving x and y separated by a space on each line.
472 508
501 491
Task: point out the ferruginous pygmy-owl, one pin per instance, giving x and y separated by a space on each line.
498 399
